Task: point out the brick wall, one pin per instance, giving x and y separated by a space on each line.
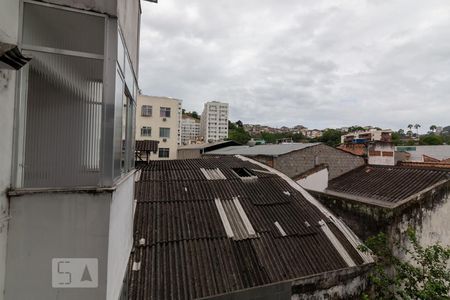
297 162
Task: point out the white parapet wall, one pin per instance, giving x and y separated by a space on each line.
317 181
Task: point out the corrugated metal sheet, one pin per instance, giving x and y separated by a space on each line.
187 253
388 184
269 149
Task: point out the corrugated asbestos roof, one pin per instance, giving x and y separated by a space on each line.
386 184
182 244
268 149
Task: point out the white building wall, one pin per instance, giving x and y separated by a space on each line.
381 154
214 121
120 239
156 122
316 182
190 130
44 226
9 14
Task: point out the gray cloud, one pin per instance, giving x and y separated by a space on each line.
316 63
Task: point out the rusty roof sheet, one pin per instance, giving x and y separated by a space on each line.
183 248
386 184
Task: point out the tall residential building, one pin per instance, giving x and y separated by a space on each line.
159 118
67 172
214 121
190 130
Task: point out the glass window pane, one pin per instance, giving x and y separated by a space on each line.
62 29
118 140
120 52
164 132
64 115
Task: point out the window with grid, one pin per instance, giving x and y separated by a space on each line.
164 132
164 112
163 152
146 131
146 111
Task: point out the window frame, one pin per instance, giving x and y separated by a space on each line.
146 110
163 150
161 130
148 128
164 112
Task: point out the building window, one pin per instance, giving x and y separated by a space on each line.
146 111
163 152
164 132
146 131
164 112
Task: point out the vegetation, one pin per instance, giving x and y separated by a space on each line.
331 137
431 139
272 138
237 133
192 114
425 276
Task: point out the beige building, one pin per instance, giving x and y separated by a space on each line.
214 121
159 119
190 130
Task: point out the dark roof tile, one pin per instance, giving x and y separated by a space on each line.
185 251
385 183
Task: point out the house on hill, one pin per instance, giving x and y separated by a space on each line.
233 228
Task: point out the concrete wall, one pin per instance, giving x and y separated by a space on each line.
316 182
120 236
55 225
9 16
189 153
427 214
430 220
381 154
297 162
343 284
156 122
100 6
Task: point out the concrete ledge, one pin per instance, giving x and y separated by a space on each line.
81 189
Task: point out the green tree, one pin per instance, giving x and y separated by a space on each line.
431 139
401 132
417 126
195 115
239 123
425 275
331 137
239 135
231 125
433 128
396 138
355 128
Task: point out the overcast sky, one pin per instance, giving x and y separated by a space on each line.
316 63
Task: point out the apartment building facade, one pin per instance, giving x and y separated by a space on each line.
190 130
214 121
159 119
370 135
67 152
